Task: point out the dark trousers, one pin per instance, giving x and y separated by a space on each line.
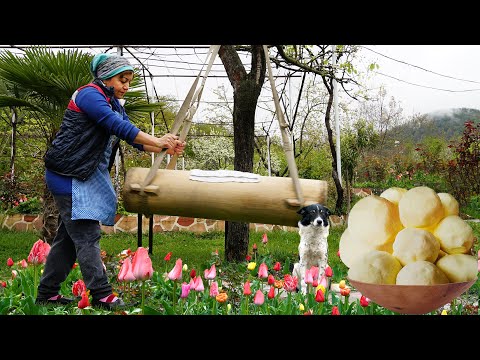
75 240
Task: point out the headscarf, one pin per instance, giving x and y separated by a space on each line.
105 66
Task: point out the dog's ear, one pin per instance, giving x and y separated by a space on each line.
301 211
328 211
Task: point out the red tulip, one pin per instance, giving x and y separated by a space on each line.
176 272
319 296
345 292
270 280
84 301
10 262
277 266
271 292
335 311
248 258
364 301
78 287
254 247
4 284
142 264
193 273
168 256
328 271
39 252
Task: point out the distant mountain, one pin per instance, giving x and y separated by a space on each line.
448 124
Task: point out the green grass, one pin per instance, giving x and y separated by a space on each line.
195 249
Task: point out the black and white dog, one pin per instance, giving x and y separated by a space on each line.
314 228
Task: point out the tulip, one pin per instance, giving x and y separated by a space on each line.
270 280
246 288
301 307
444 312
10 262
335 310
259 298
185 290
211 273
342 284
176 272
193 273
4 284
277 266
142 264
264 239
214 289
168 256
290 283
248 258
221 297
39 252
78 287
14 274
263 271
84 301
185 267
319 296
345 291
364 301
328 271
198 284
308 277
125 273
251 265
271 292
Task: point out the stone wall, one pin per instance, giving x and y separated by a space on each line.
161 223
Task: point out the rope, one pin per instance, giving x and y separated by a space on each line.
287 146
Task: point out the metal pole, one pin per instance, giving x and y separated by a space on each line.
337 124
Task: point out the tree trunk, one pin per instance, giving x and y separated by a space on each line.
246 90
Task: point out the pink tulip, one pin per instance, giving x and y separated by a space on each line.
290 282
196 284
24 263
14 274
10 262
185 290
264 239
308 278
39 252
364 301
176 272
142 264
211 273
126 273
323 281
259 298
214 289
263 271
246 288
328 271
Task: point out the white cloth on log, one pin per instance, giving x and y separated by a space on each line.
222 176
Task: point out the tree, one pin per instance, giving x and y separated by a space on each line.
317 59
44 81
246 90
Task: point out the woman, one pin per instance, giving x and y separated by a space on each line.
78 175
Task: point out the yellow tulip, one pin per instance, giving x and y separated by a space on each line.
301 307
321 287
444 312
341 284
251 265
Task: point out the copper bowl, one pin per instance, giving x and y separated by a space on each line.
412 299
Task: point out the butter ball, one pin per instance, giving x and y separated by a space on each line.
421 273
375 267
420 207
454 234
413 244
450 204
393 194
458 267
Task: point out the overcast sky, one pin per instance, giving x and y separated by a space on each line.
426 78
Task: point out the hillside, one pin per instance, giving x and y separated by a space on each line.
448 124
